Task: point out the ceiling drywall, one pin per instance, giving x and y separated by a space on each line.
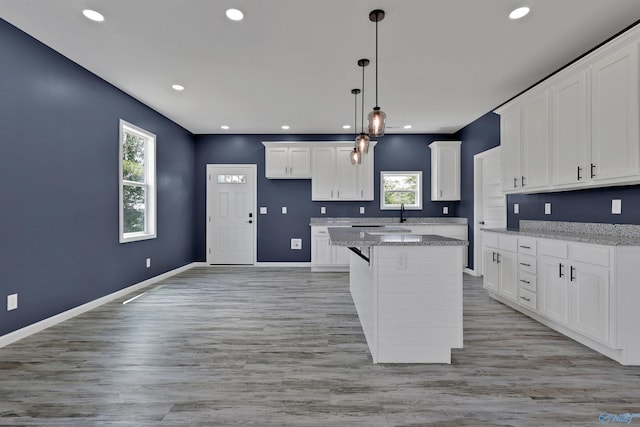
442 63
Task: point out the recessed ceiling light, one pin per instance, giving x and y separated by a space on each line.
519 12
177 87
225 127
285 127
235 14
93 15
346 127
407 126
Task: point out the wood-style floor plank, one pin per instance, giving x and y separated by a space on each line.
283 347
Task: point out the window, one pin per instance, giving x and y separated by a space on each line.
137 183
397 188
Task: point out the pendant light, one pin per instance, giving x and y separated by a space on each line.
356 157
362 140
377 117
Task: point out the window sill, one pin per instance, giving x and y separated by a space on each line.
135 237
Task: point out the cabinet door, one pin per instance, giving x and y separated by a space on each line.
365 177
346 175
510 151
491 279
569 133
615 150
508 275
589 292
299 162
320 250
323 173
276 162
535 141
340 256
552 288
445 171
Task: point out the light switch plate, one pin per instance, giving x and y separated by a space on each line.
445 210
516 208
12 302
616 206
148 262
284 209
263 210
361 210
547 208
323 210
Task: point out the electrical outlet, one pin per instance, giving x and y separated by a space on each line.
445 210
263 210
616 206
361 210
516 208
323 210
296 244
148 262
284 209
547 208
12 302
401 261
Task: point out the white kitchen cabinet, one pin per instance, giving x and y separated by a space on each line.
454 231
579 128
445 170
324 256
501 261
335 178
590 305
614 115
287 161
553 289
570 137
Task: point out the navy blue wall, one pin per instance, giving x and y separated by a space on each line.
393 152
593 205
478 136
59 185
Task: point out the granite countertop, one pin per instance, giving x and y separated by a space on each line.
582 232
344 221
361 237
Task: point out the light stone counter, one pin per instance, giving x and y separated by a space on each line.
387 236
347 221
582 232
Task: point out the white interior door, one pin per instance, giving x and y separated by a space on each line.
490 203
231 214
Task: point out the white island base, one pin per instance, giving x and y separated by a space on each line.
409 300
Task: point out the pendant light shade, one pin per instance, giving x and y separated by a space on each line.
356 157
362 140
377 118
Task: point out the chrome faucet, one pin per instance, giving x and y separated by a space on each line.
402 218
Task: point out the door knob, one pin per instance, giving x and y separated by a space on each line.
250 221
481 223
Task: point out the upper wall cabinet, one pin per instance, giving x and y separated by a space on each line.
335 178
287 161
445 170
580 128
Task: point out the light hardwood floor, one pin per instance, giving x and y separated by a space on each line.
284 347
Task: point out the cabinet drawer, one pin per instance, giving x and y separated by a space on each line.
490 239
527 246
527 299
527 281
552 248
597 255
508 243
527 264
319 232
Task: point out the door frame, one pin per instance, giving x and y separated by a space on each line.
211 167
477 210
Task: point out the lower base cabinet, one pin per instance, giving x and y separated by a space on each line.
585 291
324 256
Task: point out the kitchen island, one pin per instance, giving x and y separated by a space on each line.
407 290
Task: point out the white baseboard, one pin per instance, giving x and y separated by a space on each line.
66 315
282 264
470 272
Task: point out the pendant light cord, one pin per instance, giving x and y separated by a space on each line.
377 61
362 103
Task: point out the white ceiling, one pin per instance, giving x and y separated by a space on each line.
443 63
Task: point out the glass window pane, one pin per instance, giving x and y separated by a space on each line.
232 179
134 203
400 182
133 157
399 197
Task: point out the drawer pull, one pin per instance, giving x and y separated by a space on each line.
525 264
526 247
526 299
560 273
525 281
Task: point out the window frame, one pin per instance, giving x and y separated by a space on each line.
149 184
418 192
